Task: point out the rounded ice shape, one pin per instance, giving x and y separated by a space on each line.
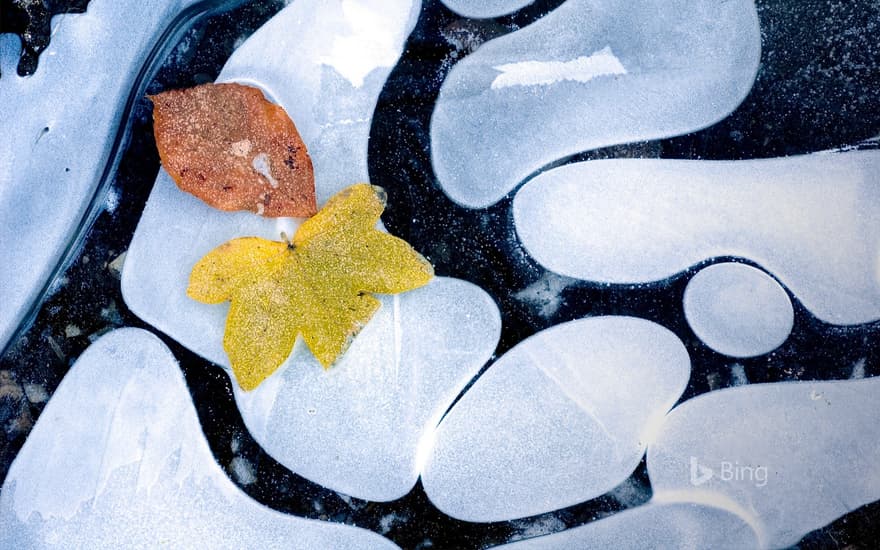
118 458
794 456
363 426
636 221
666 525
485 8
561 418
738 310
589 74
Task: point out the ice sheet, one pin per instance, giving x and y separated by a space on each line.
364 426
811 221
795 455
561 418
58 125
325 62
656 68
118 459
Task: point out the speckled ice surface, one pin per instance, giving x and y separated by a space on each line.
793 456
561 418
57 126
738 310
364 426
415 355
669 68
485 8
811 221
118 459
671 525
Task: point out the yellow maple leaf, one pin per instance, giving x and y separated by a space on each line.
319 285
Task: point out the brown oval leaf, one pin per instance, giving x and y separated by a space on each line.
230 147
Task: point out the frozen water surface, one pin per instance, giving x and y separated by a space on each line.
738 310
561 418
286 58
631 221
325 62
667 525
118 458
402 371
485 8
794 456
592 73
363 427
358 427
58 127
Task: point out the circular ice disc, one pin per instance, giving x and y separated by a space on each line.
738 310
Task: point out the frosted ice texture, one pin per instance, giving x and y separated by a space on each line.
811 221
118 460
485 8
358 427
791 457
667 525
738 310
678 66
57 126
364 426
561 418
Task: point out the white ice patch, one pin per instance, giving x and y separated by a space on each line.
688 63
795 455
485 8
668 525
58 126
635 221
370 41
543 73
738 310
332 114
561 418
118 455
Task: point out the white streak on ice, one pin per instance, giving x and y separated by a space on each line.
543 73
369 45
